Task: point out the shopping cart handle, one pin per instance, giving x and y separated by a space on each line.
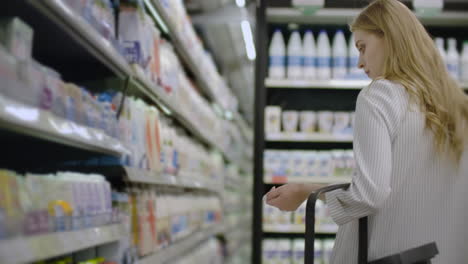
310 219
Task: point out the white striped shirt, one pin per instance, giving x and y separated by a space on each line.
412 195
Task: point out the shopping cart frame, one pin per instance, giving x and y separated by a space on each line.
419 255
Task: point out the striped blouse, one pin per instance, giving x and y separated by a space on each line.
412 195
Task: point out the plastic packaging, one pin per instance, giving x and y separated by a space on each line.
295 57
277 51
340 54
341 122
310 56
325 121
323 57
17 37
272 119
308 121
290 121
298 251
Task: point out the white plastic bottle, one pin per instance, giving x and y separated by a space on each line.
339 55
353 60
285 251
295 57
318 251
323 57
464 63
310 56
327 250
298 251
453 59
277 56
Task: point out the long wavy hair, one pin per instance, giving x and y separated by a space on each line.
412 59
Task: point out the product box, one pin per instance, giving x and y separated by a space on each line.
272 119
17 37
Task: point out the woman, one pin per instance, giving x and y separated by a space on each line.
410 143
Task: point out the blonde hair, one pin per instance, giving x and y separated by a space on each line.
412 59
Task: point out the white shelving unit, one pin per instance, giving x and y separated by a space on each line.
324 180
43 124
312 137
177 249
181 181
315 84
41 247
297 229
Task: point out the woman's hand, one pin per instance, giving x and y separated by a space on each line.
290 196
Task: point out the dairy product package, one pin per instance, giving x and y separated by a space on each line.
285 251
300 214
277 52
308 121
34 88
310 56
328 245
325 122
295 57
272 119
318 251
325 164
9 74
313 164
290 120
298 251
271 253
339 55
299 164
341 122
17 37
131 34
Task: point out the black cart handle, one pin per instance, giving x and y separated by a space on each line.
310 226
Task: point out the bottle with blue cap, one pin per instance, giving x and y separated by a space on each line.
277 51
339 55
323 57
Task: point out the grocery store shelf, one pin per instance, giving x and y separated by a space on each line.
331 84
157 95
297 229
343 16
315 84
312 137
183 246
84 34
181 181
41 247
324 180
42 124
183 51
100 48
